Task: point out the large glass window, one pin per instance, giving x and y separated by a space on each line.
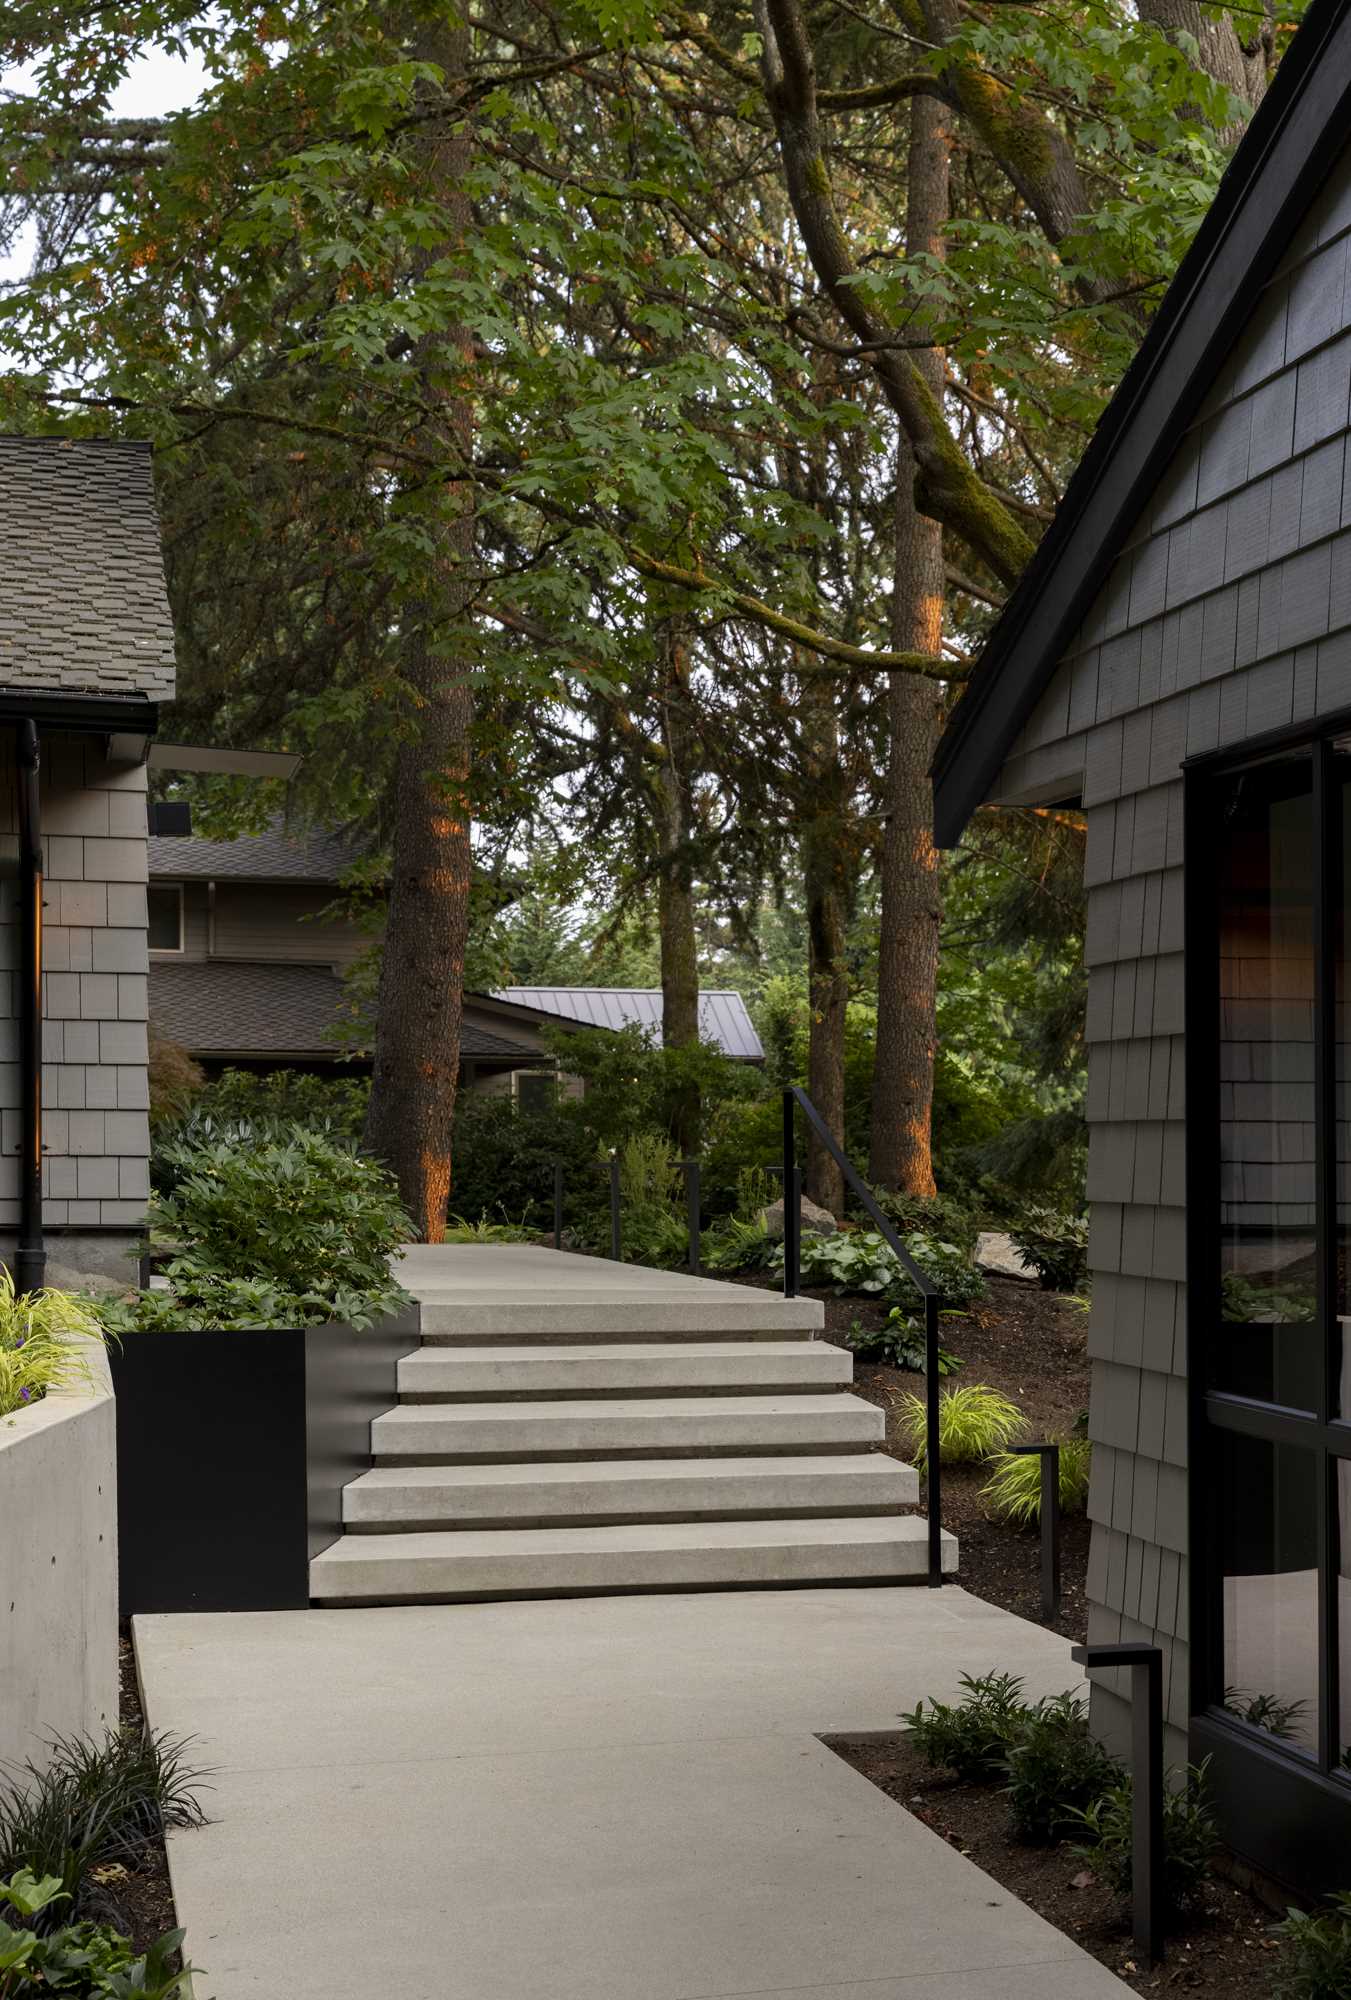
1275 1319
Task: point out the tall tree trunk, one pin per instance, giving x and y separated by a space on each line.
826 853
907 958
675 878
417 1036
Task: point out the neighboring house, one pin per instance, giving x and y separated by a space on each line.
1177 661
86 657
248 947
723 1018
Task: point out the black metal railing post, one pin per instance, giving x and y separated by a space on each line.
925 1286
792 1202
692 1203
558 1204
1146 1665
616 1231
1049 1454
933 1457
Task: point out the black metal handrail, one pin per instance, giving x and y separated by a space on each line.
796 1099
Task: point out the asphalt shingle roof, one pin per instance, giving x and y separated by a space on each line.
82 600
723 1019
233 1008
304 855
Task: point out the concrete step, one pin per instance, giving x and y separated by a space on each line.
728 1312
562 1562
394 1498
699 1367
643 1427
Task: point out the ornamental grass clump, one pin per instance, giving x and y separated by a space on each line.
40 1334
974 1422
1014 1489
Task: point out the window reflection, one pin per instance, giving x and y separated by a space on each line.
1269 1559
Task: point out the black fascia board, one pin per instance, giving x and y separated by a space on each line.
1295 137
82 714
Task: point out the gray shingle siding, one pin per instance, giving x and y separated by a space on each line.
1227 614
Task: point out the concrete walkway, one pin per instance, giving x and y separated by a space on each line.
588 1799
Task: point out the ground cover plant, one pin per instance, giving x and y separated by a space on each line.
1190 1837
974 1422
86 1821
900 1340
862 1261
87 1961
39 1351
1055 1767
270 1230
1317 1958
972 1737
1014 1487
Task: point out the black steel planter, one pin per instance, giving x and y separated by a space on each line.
232 1453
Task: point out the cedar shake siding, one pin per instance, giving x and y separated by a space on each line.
1227 614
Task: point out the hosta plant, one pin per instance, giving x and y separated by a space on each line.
39 1343
1013 1491
85 1961
974 1422
899 1340
862 1261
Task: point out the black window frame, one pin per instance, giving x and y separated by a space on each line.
1292 1804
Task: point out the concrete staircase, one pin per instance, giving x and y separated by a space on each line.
581 1427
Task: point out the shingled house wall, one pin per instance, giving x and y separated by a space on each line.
83 613
1227 614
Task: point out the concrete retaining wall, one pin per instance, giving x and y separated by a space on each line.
58 1567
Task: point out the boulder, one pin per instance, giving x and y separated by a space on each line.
815 1221
999 1257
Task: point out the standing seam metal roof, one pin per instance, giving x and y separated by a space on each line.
723 1019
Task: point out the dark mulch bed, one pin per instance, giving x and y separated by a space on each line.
1033 1347
1223 1948
144 1901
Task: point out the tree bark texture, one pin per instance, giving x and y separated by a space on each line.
827 854
671 785
907 968
417 1038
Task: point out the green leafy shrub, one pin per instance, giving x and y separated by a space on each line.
95 1803
1241 1301
900 1341
1014 1489
862 1261
503 1158
651 1193
1055 1769
39 1336
734 1245
974 1422
91 1961
945 1218
1316 1962
971 1738
1189 1837
297 1229
283 1098
1056 1246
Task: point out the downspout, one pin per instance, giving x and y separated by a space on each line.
30 1262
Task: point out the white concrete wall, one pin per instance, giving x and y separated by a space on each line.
58 1567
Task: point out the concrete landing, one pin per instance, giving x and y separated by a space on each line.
589 1799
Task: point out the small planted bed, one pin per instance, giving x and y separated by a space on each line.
247 1378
